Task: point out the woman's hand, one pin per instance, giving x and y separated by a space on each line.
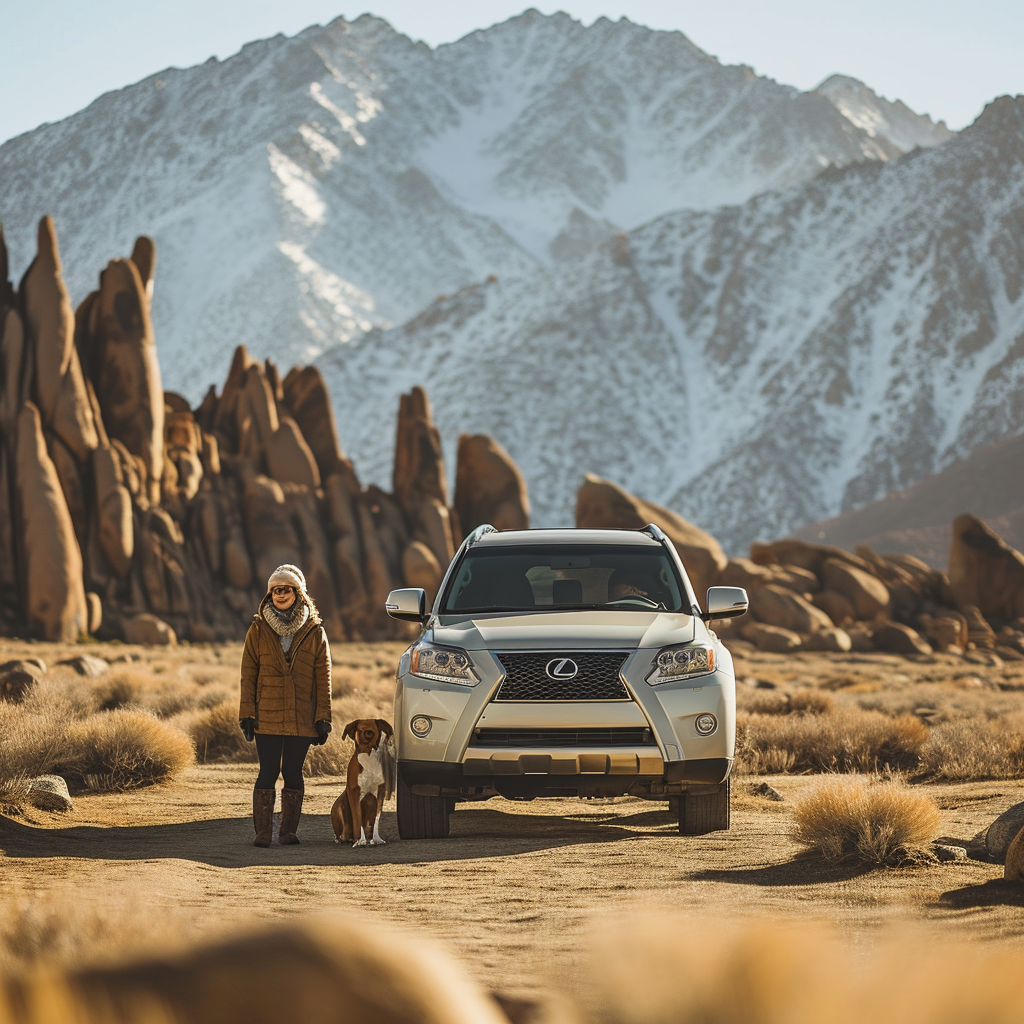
248 727
323 730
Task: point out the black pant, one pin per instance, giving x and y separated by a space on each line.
281 755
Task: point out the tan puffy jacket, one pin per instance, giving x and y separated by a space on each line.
286 694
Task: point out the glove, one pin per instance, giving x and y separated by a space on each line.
323 730
248 727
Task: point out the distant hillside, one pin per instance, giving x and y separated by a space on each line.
918 520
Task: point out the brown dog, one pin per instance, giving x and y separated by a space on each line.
364 798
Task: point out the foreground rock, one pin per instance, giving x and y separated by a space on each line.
18 677
985 571
602 505
1003 830
87 665
50 793
149 630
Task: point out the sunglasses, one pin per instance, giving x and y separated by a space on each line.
281 591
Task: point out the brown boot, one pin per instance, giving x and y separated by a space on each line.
291 810
263 815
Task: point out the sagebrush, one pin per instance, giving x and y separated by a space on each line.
845 739
859 818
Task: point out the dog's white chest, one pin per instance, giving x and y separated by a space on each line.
372 774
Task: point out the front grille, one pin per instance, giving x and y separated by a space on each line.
631 737
597 677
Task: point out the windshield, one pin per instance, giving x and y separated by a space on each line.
512 579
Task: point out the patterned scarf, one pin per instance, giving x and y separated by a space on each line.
288 622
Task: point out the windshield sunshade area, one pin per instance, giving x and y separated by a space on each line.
513 579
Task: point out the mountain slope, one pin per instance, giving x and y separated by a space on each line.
919 520
755 367
307 189
882 119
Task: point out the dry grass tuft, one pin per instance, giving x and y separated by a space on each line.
679 971
124 749
866 820
33 738
976 748
801 702
215 734
846 739
58 930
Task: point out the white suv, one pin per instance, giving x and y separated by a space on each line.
565 663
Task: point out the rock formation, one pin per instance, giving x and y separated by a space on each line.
51 560
127 513
488 486
116 337
985 571
601 504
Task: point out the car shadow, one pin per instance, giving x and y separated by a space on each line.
227 842
996 892
807 870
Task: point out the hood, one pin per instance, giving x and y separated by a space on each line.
564 631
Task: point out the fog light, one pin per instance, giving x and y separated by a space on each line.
706 724
420 725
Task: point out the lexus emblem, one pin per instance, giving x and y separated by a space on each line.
561 668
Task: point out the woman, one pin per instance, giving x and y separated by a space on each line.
286 697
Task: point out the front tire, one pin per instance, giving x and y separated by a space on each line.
702 813
421 817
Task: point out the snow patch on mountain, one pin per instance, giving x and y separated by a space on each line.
880 118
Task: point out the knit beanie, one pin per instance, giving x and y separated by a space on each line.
287 576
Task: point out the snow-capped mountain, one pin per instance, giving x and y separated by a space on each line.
883 120
754 367
307 189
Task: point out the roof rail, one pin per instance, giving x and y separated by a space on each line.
480 531
654 532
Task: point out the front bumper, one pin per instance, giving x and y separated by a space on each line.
455 758
468 781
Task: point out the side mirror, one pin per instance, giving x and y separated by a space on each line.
410 605
725 603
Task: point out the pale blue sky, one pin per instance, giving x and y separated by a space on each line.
943 57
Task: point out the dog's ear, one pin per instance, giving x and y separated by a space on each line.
384 727
349 731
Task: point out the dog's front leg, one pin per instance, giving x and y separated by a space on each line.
377 840
357 816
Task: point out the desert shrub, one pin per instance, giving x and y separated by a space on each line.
846 739
330 759
119 689
124 749
800 702
33 739
215 734
56 930
172 700
974 748
865 820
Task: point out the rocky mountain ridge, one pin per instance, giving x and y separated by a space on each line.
754 367
307 189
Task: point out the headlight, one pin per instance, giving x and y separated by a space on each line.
445 664
682 662
420 725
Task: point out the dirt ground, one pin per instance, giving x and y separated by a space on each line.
515 890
